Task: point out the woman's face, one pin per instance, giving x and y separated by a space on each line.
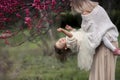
61 43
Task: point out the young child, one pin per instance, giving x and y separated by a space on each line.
77 41
61 43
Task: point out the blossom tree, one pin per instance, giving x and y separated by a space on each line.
35 16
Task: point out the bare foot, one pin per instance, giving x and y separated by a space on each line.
117 52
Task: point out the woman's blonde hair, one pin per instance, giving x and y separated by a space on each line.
83 5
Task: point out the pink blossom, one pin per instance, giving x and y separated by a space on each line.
53 2
18 15
5 34
27 12
27 20
13 11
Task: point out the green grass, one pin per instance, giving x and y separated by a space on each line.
29 63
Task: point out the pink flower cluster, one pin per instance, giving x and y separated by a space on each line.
25 12
44 5
8 9
28 22
10 6
5 34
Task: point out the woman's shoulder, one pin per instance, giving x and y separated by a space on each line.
100 8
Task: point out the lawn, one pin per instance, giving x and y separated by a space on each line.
28 62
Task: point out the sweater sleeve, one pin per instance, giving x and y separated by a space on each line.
101 23
95 37
72 43
88 26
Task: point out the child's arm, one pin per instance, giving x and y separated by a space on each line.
71 42
67 33
108 44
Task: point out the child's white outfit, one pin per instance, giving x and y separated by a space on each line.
95 27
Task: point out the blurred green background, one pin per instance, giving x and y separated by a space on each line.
37 61
32 62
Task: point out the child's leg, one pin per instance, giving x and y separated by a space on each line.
67 33
108 44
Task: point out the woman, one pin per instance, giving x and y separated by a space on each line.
94 16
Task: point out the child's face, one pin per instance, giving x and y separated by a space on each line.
61 43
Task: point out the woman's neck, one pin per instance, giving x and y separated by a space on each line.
85 12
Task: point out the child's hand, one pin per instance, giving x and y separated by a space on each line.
68 27
59 29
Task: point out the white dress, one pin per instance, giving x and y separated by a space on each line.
80 43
